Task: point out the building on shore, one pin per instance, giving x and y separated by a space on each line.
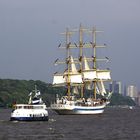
138 100
133 93
116 87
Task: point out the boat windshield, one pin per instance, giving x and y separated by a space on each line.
29 107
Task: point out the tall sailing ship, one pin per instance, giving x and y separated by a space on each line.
82 74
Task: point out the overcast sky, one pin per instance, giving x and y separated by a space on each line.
30 34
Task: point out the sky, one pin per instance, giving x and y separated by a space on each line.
30 35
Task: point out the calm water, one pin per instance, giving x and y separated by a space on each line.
114 124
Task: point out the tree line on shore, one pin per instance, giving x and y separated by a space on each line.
12 91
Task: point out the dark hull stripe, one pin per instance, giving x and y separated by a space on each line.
94 109
29 118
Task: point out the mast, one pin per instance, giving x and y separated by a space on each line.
81 56
70 76
68 60
71 63
94 58
101 74
35 89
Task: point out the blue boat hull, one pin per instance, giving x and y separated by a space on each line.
45 118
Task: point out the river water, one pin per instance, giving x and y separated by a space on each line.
113 124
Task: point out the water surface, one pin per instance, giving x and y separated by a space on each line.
113 124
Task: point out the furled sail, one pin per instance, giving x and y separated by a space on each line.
58 79
89 86
97 90
73 66
62 79
89 74
101 88
104 75
73 76
86 66
75 90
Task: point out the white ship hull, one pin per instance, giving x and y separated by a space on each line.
72 109
23 112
